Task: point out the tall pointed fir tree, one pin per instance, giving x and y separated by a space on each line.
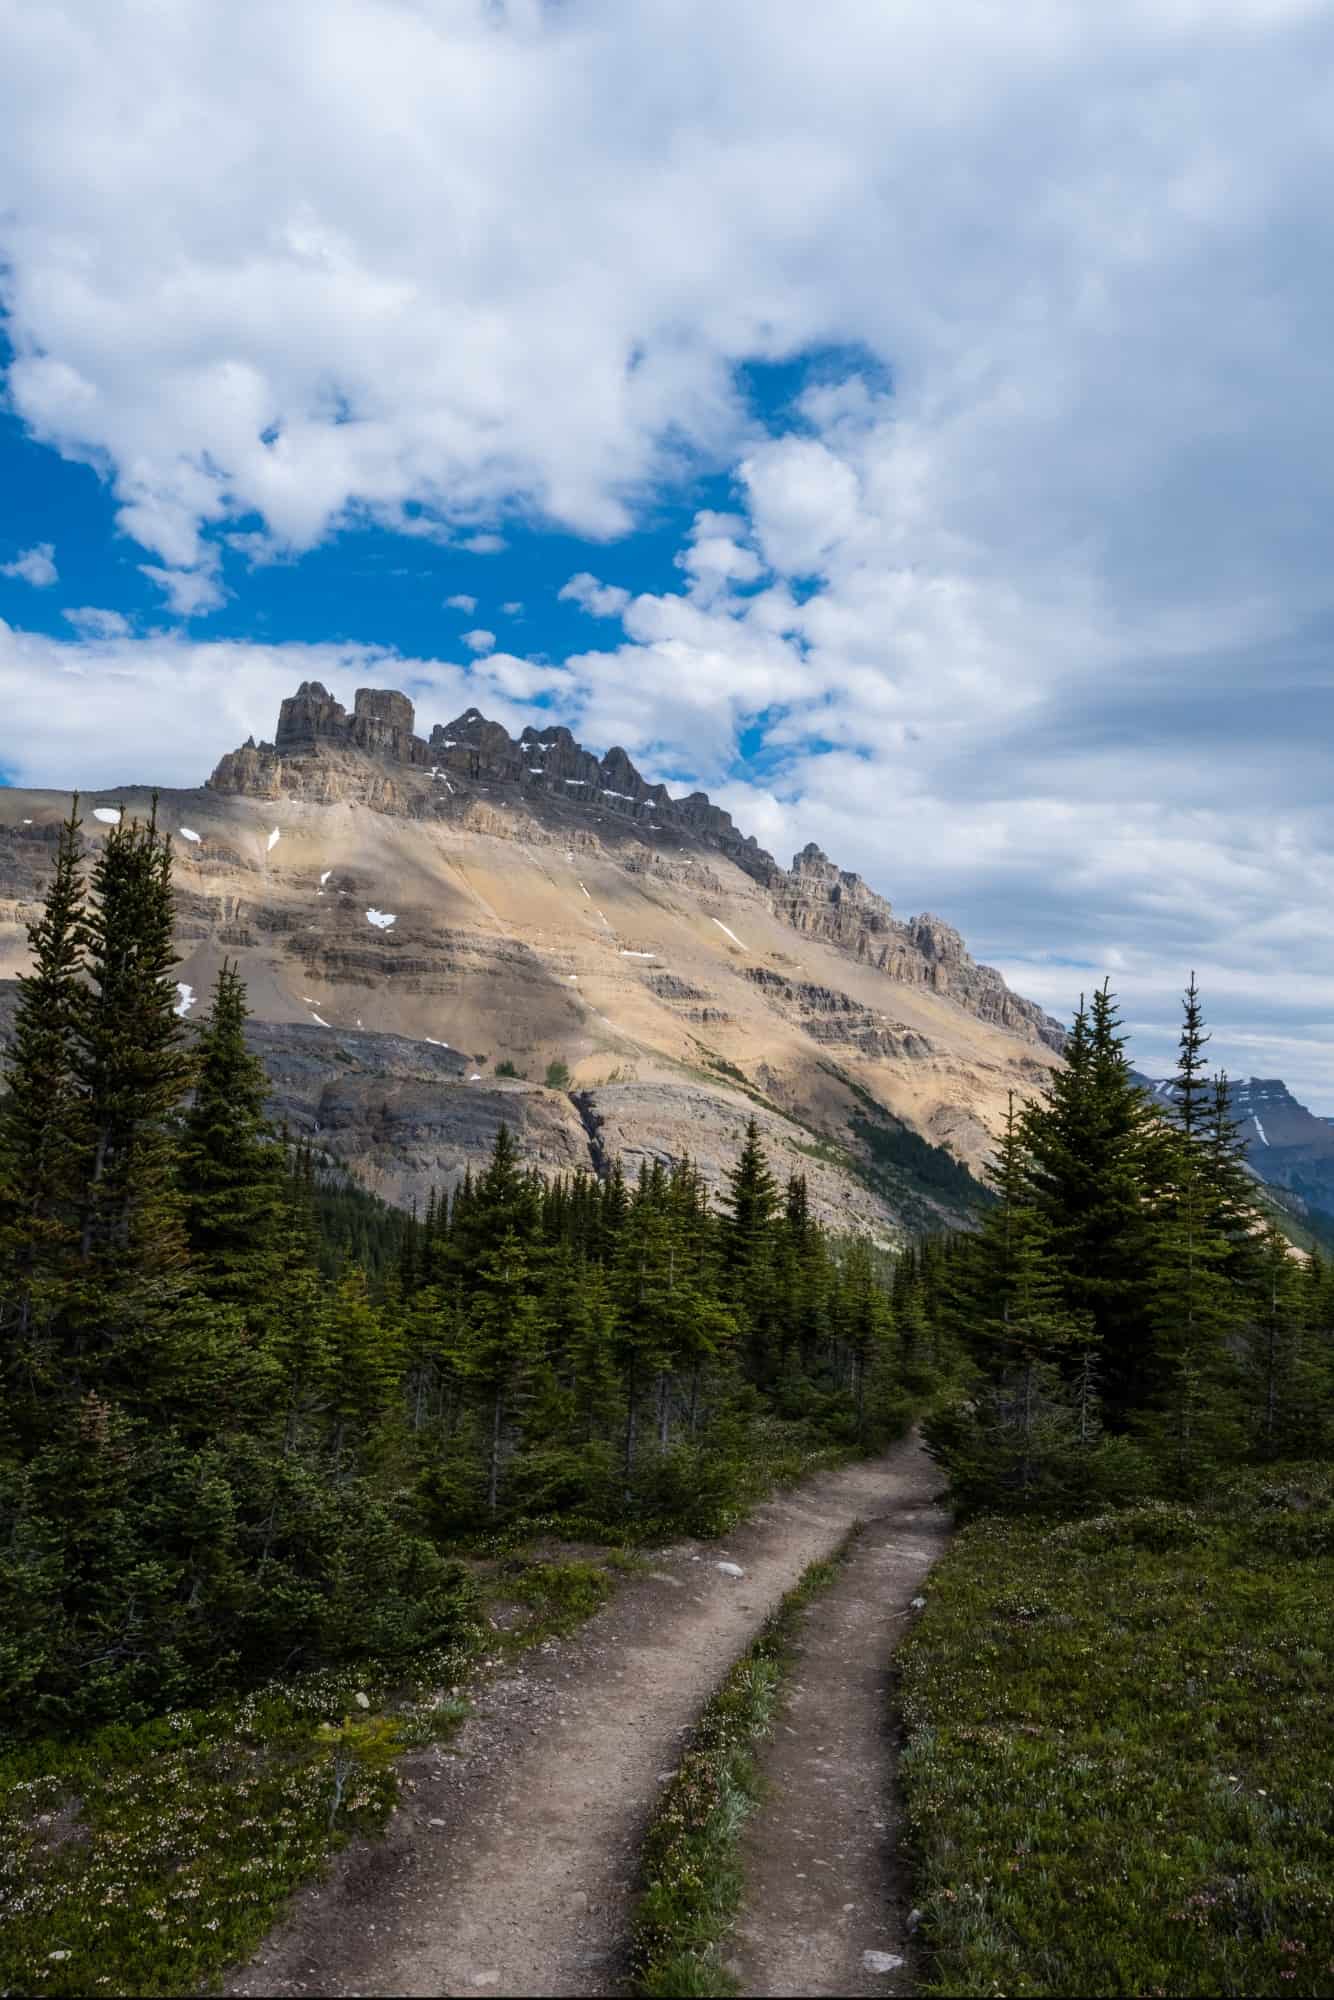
1024 1433
232 1173
1091 1146
751 1208
42 1141
135 1070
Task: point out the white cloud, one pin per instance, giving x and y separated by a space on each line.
600 600
90 623
513 609
1033 599
35 566
189 592
480 641
461 602
81 714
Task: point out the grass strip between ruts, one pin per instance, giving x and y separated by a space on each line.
690 1864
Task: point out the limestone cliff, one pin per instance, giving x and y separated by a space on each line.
373 757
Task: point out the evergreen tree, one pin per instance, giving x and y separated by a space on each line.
1090 1148
1286 1366
502 1349
751 1207
133 1066
42 1137
232 1173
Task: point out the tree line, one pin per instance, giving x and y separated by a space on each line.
1129 1318
249 1415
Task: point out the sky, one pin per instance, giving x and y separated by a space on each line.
914 425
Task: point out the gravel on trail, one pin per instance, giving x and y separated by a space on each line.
510 1864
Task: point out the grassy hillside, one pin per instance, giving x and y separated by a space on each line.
1119 1771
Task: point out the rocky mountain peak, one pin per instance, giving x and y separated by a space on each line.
374 757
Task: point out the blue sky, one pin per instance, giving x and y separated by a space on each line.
916 427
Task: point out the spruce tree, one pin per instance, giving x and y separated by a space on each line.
1091 1146
751 1208
502 1347
232 1173
134 1070
42 1136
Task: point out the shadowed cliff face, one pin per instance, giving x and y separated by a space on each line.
413 914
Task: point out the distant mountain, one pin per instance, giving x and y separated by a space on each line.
430 926
1286 1145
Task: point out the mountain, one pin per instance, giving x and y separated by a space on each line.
411 913
1286 1145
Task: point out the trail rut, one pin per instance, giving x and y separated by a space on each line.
824 1889
510 1868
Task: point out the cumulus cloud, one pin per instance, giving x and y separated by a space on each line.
164 708
461 602
600 600
189 592
480 641
1031 612
91 623
35 566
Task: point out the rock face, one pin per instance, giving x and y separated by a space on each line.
321 752
414 913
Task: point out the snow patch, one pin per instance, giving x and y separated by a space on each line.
616 795
582 886
108 815
185 999
188 833
382 919
576 781
324 878
476 1076
1260 1129
434 1043
732 934
274 838
637 954
318 1022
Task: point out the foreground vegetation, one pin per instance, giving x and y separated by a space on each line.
145 1859
1119 1773
691 1878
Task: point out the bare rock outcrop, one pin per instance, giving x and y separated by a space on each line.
373 757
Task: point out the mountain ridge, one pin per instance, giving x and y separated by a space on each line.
427 927
318 746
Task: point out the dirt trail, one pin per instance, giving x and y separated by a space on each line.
510 1867
824 1895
